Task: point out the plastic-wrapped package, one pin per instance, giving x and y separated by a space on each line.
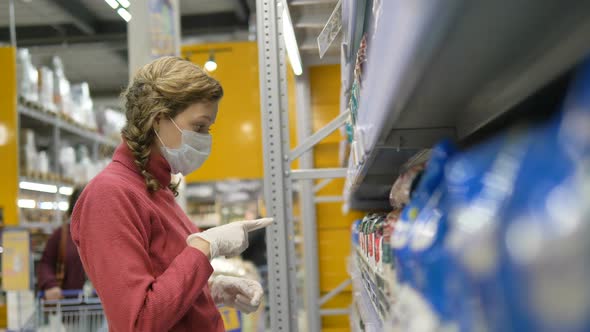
27 76
110 122
43 163
400 191
67 161
428 183
29 155
62 96
46 88
82 105
424 200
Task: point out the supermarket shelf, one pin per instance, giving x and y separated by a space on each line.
446 69
70 130
47 227
366 308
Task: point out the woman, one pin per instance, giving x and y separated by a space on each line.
60 267
146 259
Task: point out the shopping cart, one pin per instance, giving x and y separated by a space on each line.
75 312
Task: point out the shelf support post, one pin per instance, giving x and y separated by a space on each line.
278 192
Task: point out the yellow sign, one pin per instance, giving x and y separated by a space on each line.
16 262
231 319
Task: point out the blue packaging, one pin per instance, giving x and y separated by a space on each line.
431 178
546 239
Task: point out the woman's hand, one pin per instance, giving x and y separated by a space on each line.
231 239
53 294
242 294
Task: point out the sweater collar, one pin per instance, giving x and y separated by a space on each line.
157 164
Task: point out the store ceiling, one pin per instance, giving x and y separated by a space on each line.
91 38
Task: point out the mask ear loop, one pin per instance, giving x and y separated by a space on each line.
177 127
160 138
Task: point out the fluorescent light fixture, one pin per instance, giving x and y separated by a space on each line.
27 203
1 250
124 14
63 206
67 191
124 3
46 188
291 42
46 205
112 3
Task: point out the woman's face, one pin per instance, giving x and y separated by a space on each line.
197 117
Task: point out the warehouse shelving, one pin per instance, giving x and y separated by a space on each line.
446 69
40 119
54 129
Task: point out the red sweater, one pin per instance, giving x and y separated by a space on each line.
133 247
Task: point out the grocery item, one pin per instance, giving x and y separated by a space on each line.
62 96
27 76
545 232
400 191
46 87
82 106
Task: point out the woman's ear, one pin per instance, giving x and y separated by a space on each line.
156 124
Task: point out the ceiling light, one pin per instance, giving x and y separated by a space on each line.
67 191
124 14
27 203
46 188
211 65
46 205
112 3
124 3
291 42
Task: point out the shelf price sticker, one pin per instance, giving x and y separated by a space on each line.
231 319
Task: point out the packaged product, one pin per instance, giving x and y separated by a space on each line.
62 96
545 232
27 76
46 88
83 107
400 192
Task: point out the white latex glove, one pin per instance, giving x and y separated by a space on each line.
242 294
232 239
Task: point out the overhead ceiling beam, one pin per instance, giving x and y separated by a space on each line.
242 10
82 17
116 31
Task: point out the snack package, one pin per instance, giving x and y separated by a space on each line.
546 229
429 181
400 191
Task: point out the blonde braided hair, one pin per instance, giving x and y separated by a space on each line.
165 87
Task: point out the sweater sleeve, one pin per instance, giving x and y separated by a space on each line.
112 234
47 265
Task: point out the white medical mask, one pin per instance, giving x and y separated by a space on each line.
192 153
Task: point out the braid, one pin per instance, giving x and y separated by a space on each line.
138 132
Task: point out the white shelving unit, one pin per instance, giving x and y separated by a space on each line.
54 130
448 68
